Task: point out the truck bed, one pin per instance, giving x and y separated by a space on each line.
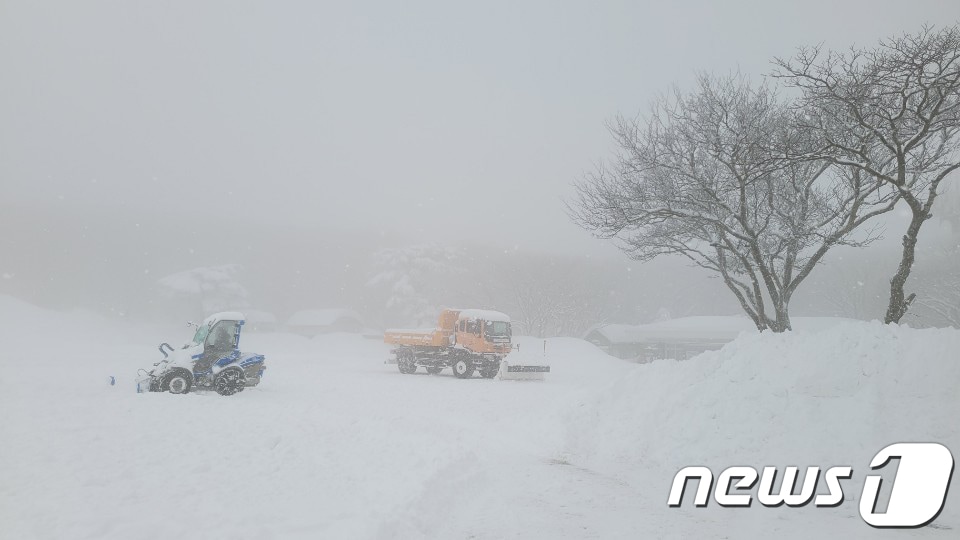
417 338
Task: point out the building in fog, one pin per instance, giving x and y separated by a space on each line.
313 322
259 321
681 338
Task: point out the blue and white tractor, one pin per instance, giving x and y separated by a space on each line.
211 361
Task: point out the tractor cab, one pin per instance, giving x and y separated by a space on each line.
219 332
217 338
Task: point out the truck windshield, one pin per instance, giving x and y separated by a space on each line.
497 328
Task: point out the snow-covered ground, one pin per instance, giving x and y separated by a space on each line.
336 444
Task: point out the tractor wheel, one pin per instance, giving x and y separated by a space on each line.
434 370
463 367
489 371
178 382
228 382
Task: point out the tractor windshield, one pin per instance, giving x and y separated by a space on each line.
223 335
497 328
201 334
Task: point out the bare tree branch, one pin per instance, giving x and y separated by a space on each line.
726 177
892 112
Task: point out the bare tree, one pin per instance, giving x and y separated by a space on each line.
706 177
891 113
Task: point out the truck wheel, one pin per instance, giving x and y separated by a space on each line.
434 370
489 371
406 366
228 382
463 368
178 382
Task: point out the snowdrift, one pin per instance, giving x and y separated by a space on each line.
806 398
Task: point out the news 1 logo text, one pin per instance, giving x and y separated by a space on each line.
917 497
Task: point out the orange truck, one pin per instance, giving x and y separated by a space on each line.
465 340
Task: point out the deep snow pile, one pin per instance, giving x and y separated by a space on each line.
824 398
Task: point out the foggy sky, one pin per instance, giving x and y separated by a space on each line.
434 120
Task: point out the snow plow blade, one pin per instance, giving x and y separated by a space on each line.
521 372
143 384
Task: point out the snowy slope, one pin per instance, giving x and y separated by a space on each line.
825 398
336 444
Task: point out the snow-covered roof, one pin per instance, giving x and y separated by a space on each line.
700 327
224 316
198 280
483 314
321 317
257 316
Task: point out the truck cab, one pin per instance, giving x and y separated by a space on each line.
483 331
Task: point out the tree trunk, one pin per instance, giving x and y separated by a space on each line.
782 323
899 301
